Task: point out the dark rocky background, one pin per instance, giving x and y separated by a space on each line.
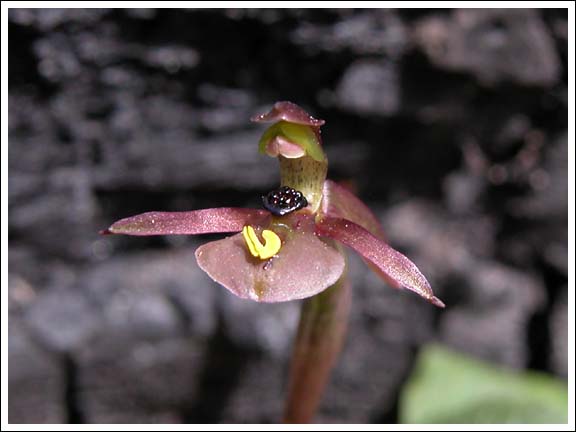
451 124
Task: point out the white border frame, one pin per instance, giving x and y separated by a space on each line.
295 4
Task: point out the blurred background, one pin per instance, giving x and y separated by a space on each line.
450 124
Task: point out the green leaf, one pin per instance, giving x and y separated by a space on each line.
448 387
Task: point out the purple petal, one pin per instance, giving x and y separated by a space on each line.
214 220
289 112
281 146
394 267
304 266
339 202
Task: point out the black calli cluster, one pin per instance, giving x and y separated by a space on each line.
284 200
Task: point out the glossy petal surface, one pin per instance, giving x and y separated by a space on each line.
289 112
214 220
304 266
289 135
281 146
339 202
391 264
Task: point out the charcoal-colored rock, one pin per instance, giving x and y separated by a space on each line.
494 319
463 192
492 44
126 378
157 311
259 393
370 87
559 334
490 304
49 19
550 197
62 319
36 380
153 295
267 328
368 32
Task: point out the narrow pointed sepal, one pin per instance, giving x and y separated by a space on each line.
339 202
214 220
390 264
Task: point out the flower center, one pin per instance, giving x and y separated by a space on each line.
271 246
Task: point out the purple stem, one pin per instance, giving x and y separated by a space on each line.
323 324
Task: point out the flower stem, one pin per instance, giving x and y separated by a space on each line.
323 323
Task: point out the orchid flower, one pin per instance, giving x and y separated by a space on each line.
276 258
292 249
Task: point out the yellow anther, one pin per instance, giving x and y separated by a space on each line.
249 235
271 246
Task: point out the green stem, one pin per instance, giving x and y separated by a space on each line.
305 175
323 323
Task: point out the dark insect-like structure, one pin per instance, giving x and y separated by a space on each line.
284 200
